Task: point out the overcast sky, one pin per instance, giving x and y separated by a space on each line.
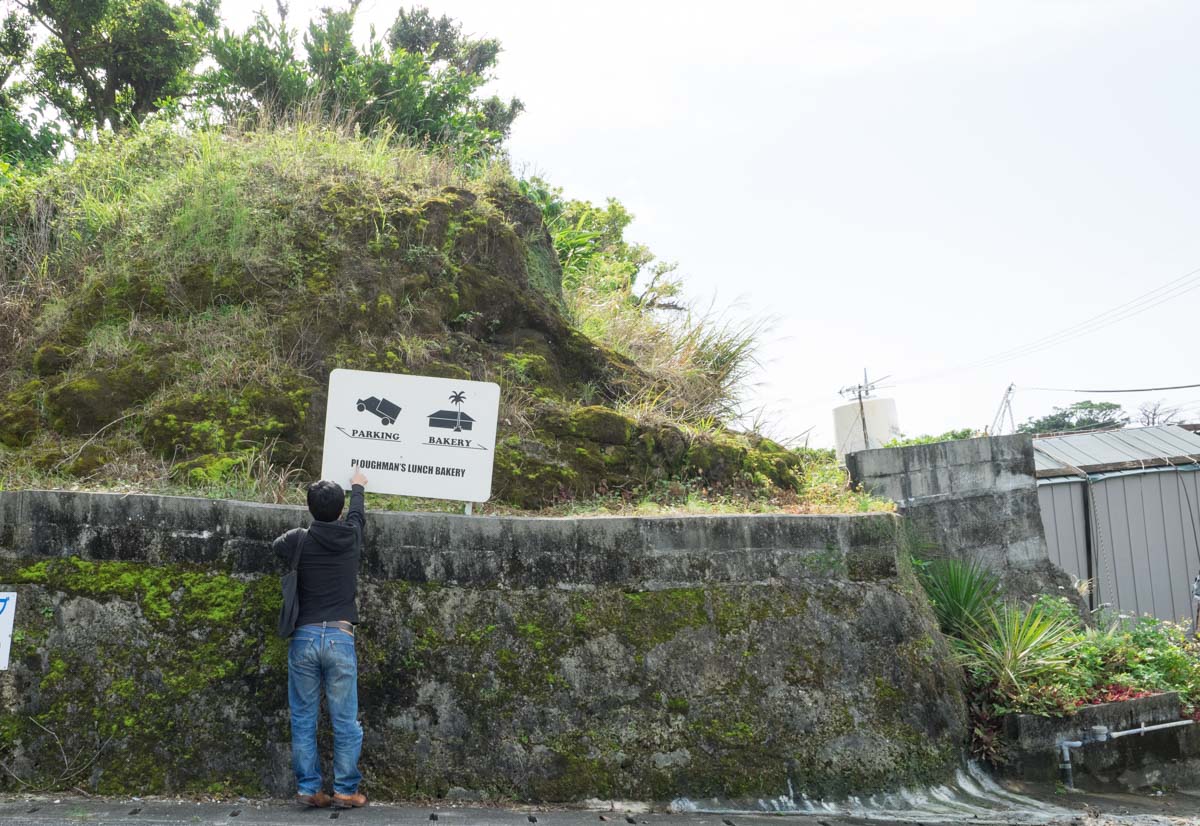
905 187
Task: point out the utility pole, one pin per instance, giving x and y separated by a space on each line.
861 392
862 413
1005 406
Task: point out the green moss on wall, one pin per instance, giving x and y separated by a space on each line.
140 680
164 594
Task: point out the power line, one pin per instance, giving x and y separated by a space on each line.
1132 309
1128 309
1133 390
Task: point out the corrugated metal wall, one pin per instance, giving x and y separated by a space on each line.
1144 538
1064 524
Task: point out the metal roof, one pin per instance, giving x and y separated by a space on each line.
1131 448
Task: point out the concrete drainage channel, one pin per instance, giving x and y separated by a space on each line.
974 796
1112 749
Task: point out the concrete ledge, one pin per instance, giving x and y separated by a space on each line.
1032 733
475 551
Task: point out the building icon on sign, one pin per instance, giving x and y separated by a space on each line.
455 420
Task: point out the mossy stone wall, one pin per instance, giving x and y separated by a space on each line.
535 659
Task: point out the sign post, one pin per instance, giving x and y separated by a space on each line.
412 435
8 610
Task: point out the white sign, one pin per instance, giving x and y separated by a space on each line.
412 435
8 610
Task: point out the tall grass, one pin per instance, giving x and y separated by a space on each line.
165 199
693 367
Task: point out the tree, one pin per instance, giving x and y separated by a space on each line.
421 82
1079 417
1155 413
108 64
21 139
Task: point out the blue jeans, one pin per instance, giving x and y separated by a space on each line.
319 655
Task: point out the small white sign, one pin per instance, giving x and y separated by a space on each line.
412 435
8 610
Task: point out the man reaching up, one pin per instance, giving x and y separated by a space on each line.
321 651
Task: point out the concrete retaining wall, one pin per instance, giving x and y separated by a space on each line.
972 499
531 658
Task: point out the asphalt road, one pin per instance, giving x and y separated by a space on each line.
1062 810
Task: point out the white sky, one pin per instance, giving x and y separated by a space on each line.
905 187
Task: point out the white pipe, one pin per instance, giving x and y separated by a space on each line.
1066 746
1064 767
1145 728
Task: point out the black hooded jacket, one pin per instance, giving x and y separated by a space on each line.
328 570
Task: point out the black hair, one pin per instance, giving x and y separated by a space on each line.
325 500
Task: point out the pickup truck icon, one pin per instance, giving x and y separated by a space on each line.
384 409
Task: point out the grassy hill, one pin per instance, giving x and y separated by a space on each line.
173 303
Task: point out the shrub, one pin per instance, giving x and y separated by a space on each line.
963 594
1153 655
1016 650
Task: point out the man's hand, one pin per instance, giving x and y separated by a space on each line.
358 478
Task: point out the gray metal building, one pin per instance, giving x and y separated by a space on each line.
1121 508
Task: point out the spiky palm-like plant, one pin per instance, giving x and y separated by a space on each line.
962 594
1016 647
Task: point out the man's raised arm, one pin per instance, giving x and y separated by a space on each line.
357 514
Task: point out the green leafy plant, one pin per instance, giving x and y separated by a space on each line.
1015 650
106 64
1080 416
963 594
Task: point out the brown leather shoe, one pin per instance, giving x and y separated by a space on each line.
316 800
349 801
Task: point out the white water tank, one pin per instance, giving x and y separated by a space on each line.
883 425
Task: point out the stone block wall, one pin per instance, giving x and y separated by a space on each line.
537 659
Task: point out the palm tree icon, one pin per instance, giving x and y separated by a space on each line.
457 398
